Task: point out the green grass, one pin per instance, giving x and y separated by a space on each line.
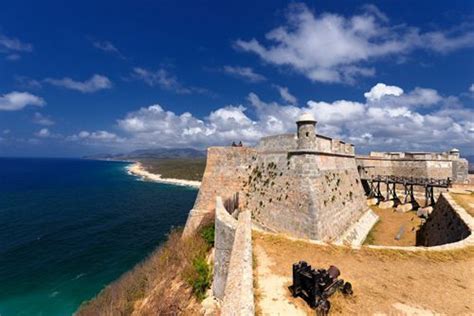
207 233
180 168
201 277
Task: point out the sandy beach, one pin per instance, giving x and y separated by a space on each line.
137 169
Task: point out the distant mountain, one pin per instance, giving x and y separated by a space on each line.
156 153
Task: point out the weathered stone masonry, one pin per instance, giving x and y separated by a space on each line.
422 165
306 185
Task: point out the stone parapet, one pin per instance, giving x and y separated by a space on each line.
239 293
225 226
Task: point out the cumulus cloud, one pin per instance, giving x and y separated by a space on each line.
43 133
100 137
384 95
95 83
245 73
385 122
471 88
333 48
41 119
15 101
380 90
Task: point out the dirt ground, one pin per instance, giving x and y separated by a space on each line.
389 225
385 282
465 200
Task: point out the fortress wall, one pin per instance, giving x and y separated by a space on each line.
338 196
447 223
335 146
436 166
276 196
403 167
310 196
277 143
226 170
461 171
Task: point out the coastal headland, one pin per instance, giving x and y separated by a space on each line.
138 169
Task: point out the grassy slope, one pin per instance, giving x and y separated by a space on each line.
178 168
162 284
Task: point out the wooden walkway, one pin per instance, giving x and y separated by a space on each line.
375 187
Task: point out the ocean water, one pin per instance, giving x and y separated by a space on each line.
69 227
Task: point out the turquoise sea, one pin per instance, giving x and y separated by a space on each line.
68 227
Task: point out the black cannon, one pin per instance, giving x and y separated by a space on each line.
316 286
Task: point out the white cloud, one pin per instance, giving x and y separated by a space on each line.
15 100
471 88
43 133
40 119
12 47
380 90
101 137
14 44
246 73
163 79
390 96
107 47
95 83
388 122
333 48
286 95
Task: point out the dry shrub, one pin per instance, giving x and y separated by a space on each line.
155 286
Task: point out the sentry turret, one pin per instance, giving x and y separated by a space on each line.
306 125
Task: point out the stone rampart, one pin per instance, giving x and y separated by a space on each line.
315 196
432 165
239 293
225 226
226 170
448 223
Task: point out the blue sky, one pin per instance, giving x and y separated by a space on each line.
104 76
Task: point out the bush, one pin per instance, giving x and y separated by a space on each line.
207 233
200 279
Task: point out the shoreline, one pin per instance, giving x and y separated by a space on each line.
136 169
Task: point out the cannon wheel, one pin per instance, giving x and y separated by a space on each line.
323 308
347 289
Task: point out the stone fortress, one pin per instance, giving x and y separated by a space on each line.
308 185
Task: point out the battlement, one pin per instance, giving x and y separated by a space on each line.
453 154
288 143
441 165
